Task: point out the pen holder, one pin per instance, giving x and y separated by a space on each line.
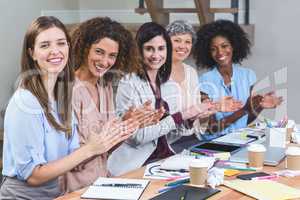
276 137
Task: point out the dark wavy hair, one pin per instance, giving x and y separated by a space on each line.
147 32
32 79
95 29
225 28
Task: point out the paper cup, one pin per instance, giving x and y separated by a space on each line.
198 172
293 158
289 130
256 155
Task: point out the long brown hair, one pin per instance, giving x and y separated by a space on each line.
33 83
95 29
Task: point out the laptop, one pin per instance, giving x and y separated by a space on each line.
273 155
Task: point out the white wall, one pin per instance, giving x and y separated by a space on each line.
15 17
277 40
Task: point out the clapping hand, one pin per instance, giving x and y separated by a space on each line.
113 132
201 110
144 115
270 100
253 102
228 104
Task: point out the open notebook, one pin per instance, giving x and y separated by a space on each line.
116 188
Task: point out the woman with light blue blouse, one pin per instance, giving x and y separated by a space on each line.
220 47
185 76
40 133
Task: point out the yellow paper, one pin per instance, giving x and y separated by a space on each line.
264 189
231 172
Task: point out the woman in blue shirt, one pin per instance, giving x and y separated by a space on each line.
220 47
40 135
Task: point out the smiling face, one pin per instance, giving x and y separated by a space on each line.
221 51
51 50
102 56
155 53
182 46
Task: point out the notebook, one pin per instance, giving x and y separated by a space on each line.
264 189
116 188
187 192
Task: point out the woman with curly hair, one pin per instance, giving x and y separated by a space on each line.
40 131
103 50
152 82
220 47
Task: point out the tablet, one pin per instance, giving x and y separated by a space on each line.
216 147
187 192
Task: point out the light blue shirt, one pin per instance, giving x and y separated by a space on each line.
212 83
29 140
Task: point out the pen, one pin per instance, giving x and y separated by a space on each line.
184 196
127 185
176 178
178 182
270 177
175 170
239 168
269 125
252 136
165 189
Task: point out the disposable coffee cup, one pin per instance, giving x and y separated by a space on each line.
198 172
293 158
256 155
289 130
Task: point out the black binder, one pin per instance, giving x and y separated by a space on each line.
187 192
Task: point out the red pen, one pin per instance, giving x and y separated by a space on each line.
176 178
270 177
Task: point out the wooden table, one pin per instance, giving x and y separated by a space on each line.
225 194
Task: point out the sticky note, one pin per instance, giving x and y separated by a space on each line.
231 172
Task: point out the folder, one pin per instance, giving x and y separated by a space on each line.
187 192
264 189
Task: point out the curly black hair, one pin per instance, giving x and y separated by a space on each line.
95 29
225 28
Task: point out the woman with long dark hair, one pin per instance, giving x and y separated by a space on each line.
40 132
151 82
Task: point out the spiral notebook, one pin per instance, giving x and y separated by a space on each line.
116 188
